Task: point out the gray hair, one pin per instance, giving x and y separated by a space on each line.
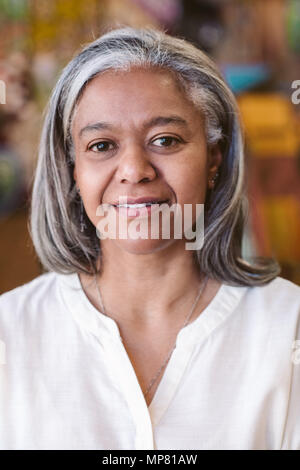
55 205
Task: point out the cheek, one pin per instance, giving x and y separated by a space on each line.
92 188
91 184
190 185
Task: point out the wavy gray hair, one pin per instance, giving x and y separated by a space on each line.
55 205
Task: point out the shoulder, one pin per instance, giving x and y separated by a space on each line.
30 299
275 304
26 291
278 292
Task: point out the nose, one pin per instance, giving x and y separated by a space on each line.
134 166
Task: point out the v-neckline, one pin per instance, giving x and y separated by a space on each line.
193 334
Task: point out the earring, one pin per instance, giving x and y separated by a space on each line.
214 178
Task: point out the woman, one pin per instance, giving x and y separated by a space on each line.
143 343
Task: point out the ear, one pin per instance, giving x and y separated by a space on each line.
214 161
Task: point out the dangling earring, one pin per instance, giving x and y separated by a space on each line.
213 179
82 223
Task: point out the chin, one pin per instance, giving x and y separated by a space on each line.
142 247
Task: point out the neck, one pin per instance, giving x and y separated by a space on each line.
149 287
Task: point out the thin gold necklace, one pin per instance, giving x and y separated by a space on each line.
202 286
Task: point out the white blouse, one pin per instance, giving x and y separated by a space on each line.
66 381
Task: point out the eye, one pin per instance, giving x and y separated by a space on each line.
101 146
166 141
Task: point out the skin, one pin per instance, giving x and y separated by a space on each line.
156 281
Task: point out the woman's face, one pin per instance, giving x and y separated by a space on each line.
135 134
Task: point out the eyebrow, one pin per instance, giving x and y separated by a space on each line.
156 121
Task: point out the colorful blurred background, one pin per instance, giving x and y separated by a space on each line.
256 44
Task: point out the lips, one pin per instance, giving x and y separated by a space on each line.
142 210
140 200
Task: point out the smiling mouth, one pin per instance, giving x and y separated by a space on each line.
141 209
141 204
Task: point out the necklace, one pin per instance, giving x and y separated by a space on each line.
202 286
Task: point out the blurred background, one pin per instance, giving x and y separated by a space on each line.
256 44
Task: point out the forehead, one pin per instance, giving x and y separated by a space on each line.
129 96
151 80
